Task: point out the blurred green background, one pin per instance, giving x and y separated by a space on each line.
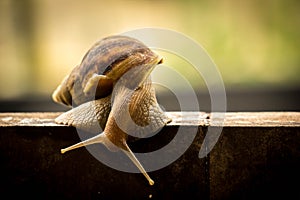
254 43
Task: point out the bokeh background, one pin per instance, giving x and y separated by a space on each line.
254 43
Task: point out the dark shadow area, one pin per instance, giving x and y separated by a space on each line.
282 99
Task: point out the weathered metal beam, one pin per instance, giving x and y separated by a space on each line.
256 155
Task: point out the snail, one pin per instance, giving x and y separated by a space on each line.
112 89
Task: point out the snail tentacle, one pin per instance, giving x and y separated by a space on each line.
137 163
101 138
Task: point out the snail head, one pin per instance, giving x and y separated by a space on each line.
134 69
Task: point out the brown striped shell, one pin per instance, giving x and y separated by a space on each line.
104 58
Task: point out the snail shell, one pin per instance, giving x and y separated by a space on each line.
110 57
112 88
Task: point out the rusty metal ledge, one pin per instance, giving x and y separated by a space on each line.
229 119
257 155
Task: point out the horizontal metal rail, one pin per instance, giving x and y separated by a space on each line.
256 155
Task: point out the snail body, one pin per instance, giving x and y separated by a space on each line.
112 88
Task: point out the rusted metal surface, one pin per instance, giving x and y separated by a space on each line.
28 119
231 119
257 155
47 119
32 165
259 119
